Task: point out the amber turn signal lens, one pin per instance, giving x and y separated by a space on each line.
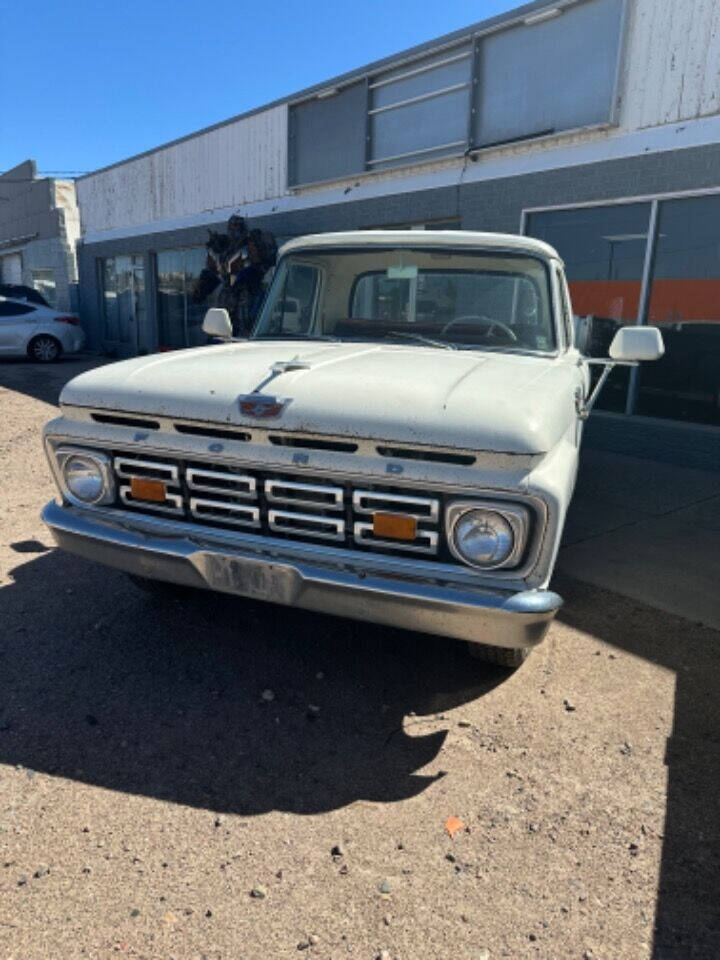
394 526
143 489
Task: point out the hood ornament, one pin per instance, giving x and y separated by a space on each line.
263 406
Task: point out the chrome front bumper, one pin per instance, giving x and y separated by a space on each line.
171 552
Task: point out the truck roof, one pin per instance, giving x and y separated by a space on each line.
424 238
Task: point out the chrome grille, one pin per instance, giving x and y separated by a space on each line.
283 506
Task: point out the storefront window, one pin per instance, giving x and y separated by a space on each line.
123 300
685 304
179 319
604 253
171 299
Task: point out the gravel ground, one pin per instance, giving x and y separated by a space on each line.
157 801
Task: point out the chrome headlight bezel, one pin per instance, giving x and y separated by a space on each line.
515 515
103 463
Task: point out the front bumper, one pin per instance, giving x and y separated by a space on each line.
498 617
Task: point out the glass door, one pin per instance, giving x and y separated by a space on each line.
123 286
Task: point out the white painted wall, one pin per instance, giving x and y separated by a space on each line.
671 69
228 166
668 97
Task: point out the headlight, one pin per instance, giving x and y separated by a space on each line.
86 476
487 535
84 479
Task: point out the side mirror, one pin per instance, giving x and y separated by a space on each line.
217 323
637 343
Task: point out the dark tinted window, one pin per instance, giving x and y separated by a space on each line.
10 309
604 253
685 305
327 136
555 74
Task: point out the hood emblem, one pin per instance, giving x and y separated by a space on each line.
261 406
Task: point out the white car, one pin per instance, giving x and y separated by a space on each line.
396 442
32 330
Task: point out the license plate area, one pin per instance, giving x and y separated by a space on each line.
249 578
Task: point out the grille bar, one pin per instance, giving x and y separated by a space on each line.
426 541
238 514
374 501
173 502
221 481
306 494
128 467
307 524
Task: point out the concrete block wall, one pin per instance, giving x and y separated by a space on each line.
58 255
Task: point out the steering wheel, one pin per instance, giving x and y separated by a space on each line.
490 324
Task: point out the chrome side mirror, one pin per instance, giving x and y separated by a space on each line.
632 344
217 323
629 346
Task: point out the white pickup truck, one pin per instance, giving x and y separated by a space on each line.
396 442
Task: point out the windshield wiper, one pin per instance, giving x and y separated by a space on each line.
421 339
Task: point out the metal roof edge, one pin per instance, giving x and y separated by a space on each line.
464 33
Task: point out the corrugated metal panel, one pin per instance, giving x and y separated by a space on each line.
672 62
240 163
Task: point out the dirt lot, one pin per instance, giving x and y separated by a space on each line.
147 789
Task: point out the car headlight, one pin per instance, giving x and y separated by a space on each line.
486 534
86 476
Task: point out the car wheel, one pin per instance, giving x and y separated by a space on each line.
502 656
44 349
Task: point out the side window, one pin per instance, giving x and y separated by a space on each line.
293 311
10 309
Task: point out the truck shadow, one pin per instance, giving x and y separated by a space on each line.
102 684
687 923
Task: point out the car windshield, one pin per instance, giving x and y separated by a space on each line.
441 298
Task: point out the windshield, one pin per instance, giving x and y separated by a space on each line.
450 299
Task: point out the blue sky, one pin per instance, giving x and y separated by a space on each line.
84 84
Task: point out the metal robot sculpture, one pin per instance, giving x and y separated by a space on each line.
238 262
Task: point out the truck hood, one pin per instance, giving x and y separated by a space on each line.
501 402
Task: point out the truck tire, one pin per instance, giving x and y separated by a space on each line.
501 656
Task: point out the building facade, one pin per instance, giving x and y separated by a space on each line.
593 124
39 232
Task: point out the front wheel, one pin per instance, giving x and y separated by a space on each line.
44 349
501 656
